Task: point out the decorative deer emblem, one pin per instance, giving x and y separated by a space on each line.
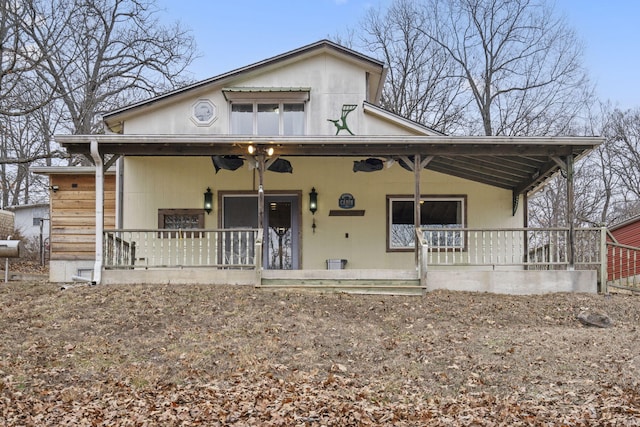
341 123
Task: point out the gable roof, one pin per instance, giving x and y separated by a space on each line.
376 69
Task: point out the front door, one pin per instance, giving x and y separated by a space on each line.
281 232
281 223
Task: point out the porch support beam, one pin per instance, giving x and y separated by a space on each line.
416 203
416 164
111 161
261 166
408 162
543 173
560 162
567 167
425 162
570 211
97 159
270 162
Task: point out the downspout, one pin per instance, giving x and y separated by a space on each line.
97 159
119 193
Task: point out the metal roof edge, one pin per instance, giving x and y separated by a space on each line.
624 223
332 139
30 205
67 170
389 115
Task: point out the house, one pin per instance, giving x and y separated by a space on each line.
288 172
623 254
32 223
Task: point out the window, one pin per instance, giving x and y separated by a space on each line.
180 219
242 119
268 118
444 213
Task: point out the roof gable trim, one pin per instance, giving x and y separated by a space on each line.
401 121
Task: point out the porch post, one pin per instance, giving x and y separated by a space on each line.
570 213
416 204
604 262
260 159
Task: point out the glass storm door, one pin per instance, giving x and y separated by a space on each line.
281 232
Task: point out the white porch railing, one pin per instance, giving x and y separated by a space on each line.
228 248
531 248
476 249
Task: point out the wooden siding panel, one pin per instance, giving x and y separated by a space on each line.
73 215
73 238
73 257
81 183
89 196
83 204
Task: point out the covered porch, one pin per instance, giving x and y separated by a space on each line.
513 260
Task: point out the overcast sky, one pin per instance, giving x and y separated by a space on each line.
232 34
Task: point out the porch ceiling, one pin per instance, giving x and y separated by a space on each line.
516 163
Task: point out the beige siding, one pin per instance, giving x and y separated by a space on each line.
333 82
157 183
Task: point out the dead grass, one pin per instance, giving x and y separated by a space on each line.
219 355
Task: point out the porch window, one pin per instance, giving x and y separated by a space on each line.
446 213
270 118
180 219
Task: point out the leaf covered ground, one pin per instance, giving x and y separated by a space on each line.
220 355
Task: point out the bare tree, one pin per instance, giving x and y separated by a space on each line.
102 54
18 60
521 63
622 162
607 181
623 133
513 65
64 63
420 83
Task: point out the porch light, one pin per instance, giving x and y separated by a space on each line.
208 201
313 201
266 151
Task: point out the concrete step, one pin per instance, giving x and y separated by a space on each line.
351 286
